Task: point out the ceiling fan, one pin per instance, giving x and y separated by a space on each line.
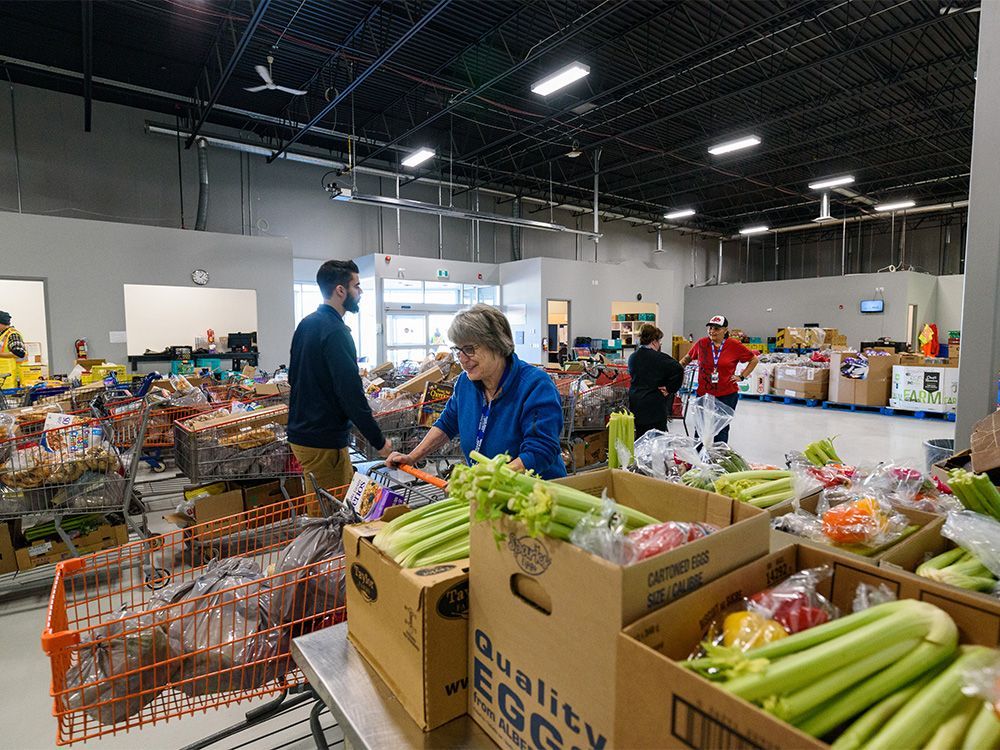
269 84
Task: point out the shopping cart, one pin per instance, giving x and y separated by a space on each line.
590 397
412 489
401 426
130 642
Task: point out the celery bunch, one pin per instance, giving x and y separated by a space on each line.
761 488
435 534
959 567
822 677
975 491
621 431
822 452
543 507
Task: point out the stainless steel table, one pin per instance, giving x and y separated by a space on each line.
368 713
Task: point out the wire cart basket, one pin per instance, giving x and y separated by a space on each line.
193 619
402 426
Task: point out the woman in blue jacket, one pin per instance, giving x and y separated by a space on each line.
500 404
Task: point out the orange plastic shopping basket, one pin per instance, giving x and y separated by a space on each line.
132 640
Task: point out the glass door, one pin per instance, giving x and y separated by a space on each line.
406 336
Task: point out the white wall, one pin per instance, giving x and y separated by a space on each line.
85 265
25 301
950 292
521 283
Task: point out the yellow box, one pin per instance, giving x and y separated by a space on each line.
97 373
31 374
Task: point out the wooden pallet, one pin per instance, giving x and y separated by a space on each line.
894 411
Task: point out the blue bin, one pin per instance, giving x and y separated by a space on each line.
182 367
215 365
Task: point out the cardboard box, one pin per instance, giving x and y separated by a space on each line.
924 388
8 561
760 382
589 448
985 443
808 338
856 379
271 389
546 613
435 398
929 523
681 348
411 625
960 460
370 499
801 382
417 383
53 551
215 500
662 705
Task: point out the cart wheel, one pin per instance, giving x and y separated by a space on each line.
157 578
157 466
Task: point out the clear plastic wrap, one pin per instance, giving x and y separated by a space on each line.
984 683
976 533
123 665
661 537
184 393
306 592
604 534
228 629
862 523
709 417
720 454
807 478
907 487
702 477
665 456
867 595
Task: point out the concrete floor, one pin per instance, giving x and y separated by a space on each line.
762 432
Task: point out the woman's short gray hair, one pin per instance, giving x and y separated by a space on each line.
483 325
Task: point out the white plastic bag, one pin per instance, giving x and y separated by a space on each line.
709 416
976 533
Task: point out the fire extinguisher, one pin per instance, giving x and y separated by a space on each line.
81 348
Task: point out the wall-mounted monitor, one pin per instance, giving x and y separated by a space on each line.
872 305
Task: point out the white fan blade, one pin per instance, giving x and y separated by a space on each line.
255 89
296 92
265 74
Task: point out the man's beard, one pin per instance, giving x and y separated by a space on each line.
352 304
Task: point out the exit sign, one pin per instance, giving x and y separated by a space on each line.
442 273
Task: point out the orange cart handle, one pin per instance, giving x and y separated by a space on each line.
423 476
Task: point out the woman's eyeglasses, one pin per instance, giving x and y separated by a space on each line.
468 351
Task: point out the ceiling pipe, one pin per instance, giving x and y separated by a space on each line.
868 217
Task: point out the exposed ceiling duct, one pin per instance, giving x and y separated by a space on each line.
824 210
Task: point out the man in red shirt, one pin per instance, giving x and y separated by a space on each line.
717 356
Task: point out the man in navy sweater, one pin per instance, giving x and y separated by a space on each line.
327 396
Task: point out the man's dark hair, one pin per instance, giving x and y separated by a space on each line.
335 273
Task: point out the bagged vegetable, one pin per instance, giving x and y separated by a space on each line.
976 533
861 524
984 683
223 629
604 534
123 665
663 455
661 537
306 593
702 477
907 487
725 457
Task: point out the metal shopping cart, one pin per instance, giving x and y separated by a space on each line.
588 400
403 427
131 642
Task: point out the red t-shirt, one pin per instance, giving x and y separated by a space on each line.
733 352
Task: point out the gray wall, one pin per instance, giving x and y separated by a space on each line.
761 308
86 263
950 292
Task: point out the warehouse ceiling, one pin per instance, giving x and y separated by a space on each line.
882 90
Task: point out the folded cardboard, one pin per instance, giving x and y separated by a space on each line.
417 383
56 550
924 388
235 422
857 379
985 443
8 562
929 526
662 705
411 625
544 613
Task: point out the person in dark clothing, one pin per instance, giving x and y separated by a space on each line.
656 377
327 396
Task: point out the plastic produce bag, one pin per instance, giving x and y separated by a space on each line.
662 455
123 665
709 417
908 487
984 683
976 533
721 455
223 628
604 534
305 593
702 477
861 524
867 595
662 537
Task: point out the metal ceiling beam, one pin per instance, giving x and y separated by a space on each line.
87 22
409 34
227 72
574 30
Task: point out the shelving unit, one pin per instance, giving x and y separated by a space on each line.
637 314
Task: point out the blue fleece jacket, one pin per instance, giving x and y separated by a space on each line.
525 421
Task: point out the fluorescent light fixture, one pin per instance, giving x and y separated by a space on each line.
725 148
760 229
679 214
832 182
895 206
562 77
418 157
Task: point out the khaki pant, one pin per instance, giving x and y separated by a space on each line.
331 467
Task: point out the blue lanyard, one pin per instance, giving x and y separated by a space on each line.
716 353
484 417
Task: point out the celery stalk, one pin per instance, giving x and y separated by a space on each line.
951 731
766 501
766 488
856 735
984 732
914 724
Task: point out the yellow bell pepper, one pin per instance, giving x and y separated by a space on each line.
747 630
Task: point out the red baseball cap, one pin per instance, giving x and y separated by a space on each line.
718 320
